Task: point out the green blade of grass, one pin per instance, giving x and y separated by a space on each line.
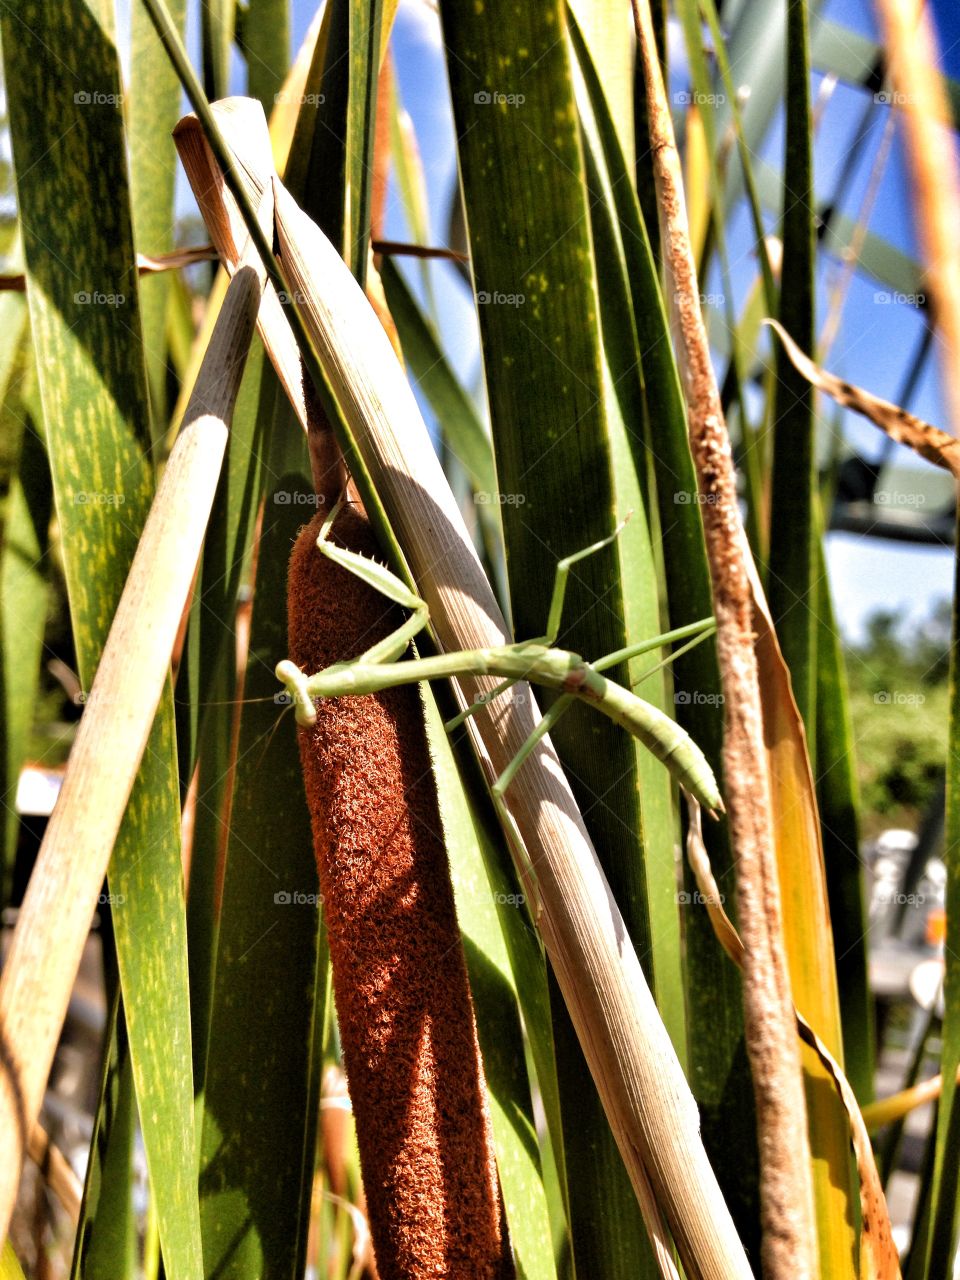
338 186
105 1245
462 430
24 595
838 798
641 564
217 23
257 1172
69 151
153 110
553 421
792 576
606 30
933 1254
209 675
266 47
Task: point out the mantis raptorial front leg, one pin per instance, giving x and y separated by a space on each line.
537 661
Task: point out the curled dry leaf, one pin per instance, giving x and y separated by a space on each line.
928 441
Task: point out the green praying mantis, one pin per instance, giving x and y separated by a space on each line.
379 668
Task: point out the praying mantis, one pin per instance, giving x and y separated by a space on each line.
379 668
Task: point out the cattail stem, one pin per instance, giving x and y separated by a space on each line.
786 1193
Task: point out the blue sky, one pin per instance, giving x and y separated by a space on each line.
874 343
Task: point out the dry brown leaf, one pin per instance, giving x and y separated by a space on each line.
147 265
928 441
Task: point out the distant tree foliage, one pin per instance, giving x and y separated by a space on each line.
899 707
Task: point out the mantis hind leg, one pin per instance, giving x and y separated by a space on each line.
483 701
499 789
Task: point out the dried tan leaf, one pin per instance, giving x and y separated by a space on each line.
928 441
147 265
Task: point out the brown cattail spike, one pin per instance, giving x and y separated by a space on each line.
400 982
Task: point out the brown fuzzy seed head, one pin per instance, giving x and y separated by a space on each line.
400 981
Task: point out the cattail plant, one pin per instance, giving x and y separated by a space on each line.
403 1002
